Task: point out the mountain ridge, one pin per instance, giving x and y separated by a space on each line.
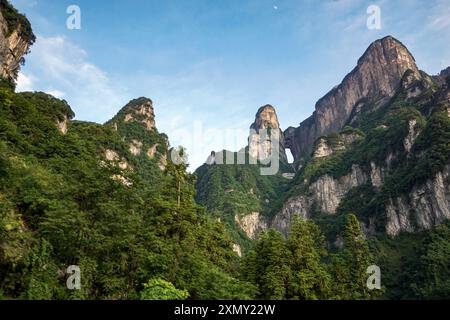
378 73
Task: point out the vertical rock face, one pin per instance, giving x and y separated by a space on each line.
323 149
424 207
262 132
63 124
237 249
413 133
326 194
252 224
15 40
135 147
378 74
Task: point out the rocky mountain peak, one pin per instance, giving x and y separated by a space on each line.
139 110
266 117
262 134
389 51
379 73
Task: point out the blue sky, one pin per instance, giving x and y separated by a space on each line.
209 65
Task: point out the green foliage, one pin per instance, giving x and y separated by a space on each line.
15 21
431 153
310 279
415 266
159 289
396 258
432 277
7 84
268 266
228 191
62 203
300 267
375 146
357 258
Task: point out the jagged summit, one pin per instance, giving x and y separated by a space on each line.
138 110
389 44
261 134
379 73
266 117
135 122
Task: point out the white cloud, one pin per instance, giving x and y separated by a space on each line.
56 93
64 69
27 82
440 22
24 82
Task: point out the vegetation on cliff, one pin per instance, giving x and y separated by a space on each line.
17 21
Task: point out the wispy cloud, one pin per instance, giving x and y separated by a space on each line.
24 82
439 18
63 69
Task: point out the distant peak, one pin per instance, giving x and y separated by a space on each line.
139 102
266 115
388 48
260 145
390 38
138 110
265 107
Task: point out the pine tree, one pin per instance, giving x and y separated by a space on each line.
357 259
310 280
268 266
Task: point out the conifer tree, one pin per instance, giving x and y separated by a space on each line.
357 259
268 266
310 280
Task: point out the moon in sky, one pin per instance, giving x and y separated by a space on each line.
275 7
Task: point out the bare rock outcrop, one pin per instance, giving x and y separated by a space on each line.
141 111
424 207
262 134
252 224
326 193
15 41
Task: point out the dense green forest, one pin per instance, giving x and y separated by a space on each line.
60 205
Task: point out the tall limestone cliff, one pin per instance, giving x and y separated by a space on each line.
377 74
16 37
264 133
238 193
392 169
